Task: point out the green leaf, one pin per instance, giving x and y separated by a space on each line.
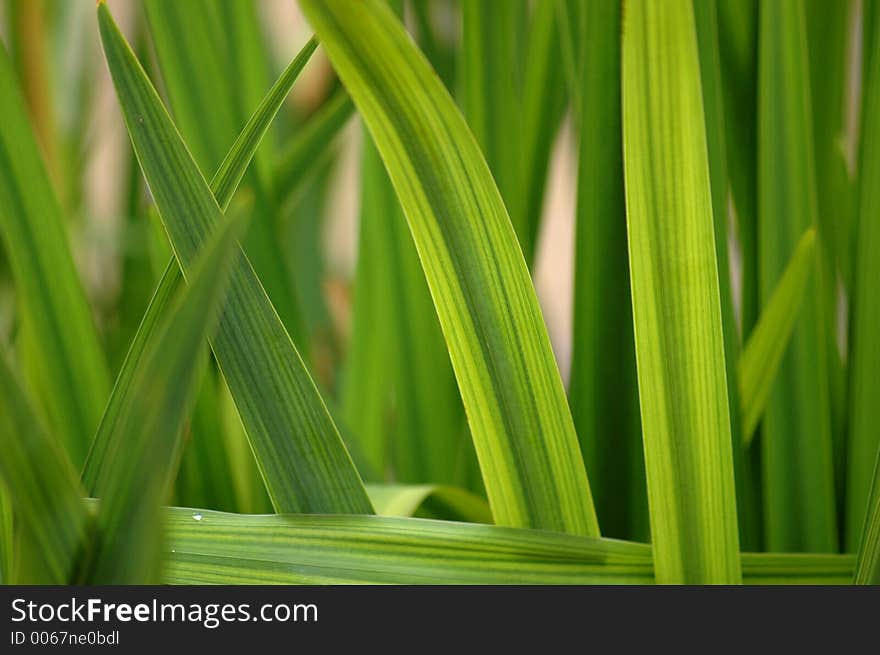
298 448
236 161
228 548
676 299
429 500
485 300
864 359
64 358
760 359
215 72
380 550
223 187
796 434
146 441
604 391
43 490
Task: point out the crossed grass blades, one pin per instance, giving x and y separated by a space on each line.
702 420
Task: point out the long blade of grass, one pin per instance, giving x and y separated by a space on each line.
381 550
220 548
146 443
864 360
223 187
512 392
67 366
43 490
429 501
604 391
214 69
759 362
676 300
796 438
298 448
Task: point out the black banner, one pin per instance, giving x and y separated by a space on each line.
416 619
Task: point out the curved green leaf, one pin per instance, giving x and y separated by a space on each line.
676 299
512 392
297 446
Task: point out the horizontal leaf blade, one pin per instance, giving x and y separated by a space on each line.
247 549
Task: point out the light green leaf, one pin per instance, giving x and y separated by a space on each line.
63 355
796 450
146 441
676 299
429 500
760 359
298 448
228 548
43 490
485 300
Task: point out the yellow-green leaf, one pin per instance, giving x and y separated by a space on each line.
676 299
480 283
